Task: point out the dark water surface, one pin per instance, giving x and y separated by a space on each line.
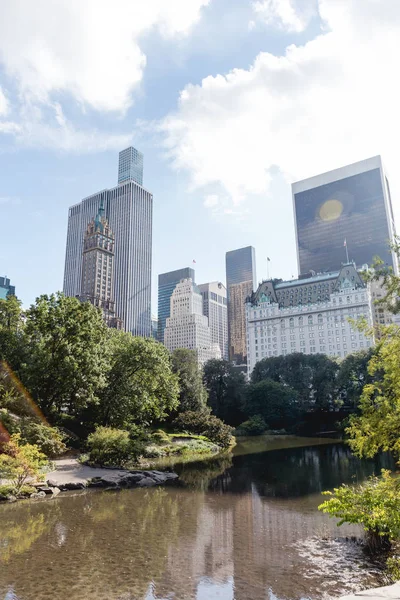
244 527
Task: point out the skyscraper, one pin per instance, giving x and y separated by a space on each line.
166 285
130 166
215 307
129 211
240 282
348 210
6 289
97 267
187 327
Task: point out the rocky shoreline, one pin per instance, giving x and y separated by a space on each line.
71 475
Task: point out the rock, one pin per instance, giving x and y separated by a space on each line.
55 491
38 495
47 490
72 485
95 482
11 498
52 483
3 498
146 482
130 479
110 481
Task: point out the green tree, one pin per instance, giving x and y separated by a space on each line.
20 463
313 376
352 377
66 359
226 387
192 395
276 403
11 331
140 385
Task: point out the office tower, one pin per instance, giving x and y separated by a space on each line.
6 289
130 166
187 327
309 315
129 211
166 285
345 210
97 268
215 307
240 283
154 327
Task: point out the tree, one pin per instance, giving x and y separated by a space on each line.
11 331
378 426
140 385
192 395
352 376
66 360
276 403
311 375
18 463
226 388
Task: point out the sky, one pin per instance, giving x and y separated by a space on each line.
229 100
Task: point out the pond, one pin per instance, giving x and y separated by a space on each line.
243 527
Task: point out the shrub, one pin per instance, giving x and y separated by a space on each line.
18 463
254 426
205 424
49 440
374 504
114 447
160 437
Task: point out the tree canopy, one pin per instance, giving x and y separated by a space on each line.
192 395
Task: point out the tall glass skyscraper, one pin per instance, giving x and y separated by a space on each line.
240 282
167 282
6 289
129 211
345 210
130 166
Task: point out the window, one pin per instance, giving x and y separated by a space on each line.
310 320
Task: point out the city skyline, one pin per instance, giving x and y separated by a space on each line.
166 86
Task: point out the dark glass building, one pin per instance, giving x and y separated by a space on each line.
6 289
241 281
347 210
166 285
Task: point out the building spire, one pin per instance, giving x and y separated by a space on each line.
98 223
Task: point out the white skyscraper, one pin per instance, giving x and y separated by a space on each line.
215 307
129 211
187 327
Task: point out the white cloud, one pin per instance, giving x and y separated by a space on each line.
290 15
89 49
211 201
331 101
3 103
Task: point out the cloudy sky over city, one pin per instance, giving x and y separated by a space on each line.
229 100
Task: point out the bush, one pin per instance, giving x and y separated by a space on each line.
374 504
110 447
49 440
18 463
160 437
254 426
205 424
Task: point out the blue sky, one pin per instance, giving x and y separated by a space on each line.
229 100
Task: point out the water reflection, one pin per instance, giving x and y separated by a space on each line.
242 528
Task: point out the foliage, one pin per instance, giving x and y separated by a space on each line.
192 395
19 463
226 388
140 385
49 440
377 427
11 330
110 447
352 376
205 424
312 376
374 504
277 404
254 426
66 343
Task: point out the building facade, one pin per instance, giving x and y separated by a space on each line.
167 282
215 308
130 166
309 315
346 209
154 327
128 209
6 289
187 327
240 282
97 286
